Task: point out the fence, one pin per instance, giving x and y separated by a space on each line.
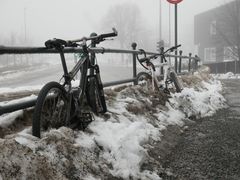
224 67
192 64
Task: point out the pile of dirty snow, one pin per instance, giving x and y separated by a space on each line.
115 145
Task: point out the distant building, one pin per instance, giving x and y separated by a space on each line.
213 48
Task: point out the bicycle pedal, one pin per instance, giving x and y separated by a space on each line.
85 117
166 91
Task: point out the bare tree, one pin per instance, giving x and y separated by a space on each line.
126 18
228 28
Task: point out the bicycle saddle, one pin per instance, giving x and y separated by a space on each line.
55 43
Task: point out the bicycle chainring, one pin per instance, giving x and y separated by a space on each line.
82 120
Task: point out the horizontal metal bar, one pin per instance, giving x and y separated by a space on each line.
183 57
30 103
43 50
113 83
17 106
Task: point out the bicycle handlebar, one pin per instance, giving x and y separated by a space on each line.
156 55
99 37
173 48
60 43
113 34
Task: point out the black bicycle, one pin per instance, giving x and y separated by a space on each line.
64 105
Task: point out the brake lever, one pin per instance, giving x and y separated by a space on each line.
115 31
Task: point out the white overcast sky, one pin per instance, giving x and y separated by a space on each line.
75 18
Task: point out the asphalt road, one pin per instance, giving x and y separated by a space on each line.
54 72
210 148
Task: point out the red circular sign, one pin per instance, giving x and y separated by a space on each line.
174 1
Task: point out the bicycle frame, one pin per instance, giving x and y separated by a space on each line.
83 64
166 70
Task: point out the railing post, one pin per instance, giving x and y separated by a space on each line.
161 51
134 46
196 62
189 63
180 61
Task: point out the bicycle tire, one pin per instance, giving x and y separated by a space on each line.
51 103
175 81
96 96
147 77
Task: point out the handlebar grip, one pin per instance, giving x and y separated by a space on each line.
178 46
113 34
175 47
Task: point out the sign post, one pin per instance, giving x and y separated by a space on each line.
175 2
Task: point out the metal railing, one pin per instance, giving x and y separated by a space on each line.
192 64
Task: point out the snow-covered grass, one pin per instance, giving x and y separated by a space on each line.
118 143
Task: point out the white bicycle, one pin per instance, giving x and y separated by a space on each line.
169 82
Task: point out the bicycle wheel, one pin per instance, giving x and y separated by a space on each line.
50 109
96 97
175 81
144 79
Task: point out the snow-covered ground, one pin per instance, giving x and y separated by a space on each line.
228 75
115 145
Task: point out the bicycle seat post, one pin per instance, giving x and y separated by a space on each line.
92 55
64 65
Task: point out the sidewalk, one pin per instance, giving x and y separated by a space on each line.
209 149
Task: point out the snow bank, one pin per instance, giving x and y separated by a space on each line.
8 119
203 102
115 145
228 75
20 89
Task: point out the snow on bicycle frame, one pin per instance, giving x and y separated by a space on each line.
169 75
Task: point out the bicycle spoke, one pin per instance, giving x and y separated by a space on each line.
52 114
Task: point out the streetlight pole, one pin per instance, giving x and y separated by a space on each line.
25 26
175 2
160 20
176 35
170 32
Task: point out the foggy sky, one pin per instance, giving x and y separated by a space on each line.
71 19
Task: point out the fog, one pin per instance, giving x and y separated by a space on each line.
40 20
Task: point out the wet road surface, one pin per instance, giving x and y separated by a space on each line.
42 75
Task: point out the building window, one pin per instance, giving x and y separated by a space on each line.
210 54
213 30
229 53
